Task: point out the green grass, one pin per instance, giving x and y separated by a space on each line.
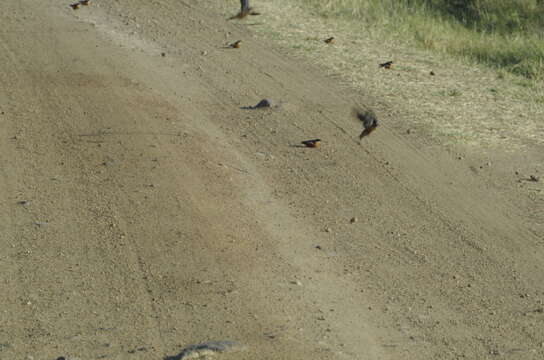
504 34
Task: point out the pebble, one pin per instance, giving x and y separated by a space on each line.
353 220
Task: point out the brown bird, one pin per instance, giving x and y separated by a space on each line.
369 120
330 40
312 143
85 2
240 15
387 65
74 6
236 44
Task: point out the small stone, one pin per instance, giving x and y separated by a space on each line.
163 54
353 220
328 230
22 202
409 131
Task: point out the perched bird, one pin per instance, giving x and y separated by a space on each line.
242 14
245 10
312 143
387 65
74 6
369 120
236 44
85 2
330 40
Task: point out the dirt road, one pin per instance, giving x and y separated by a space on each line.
145 208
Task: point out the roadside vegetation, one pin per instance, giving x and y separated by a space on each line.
505 34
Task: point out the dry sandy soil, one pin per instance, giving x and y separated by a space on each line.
145 208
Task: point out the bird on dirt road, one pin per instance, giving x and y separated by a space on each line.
387 65
244 11
236 44
330 40
314 143
369 120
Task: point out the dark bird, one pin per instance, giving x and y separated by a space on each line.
85 2
312 143
387 65
330 40
245 10
236 44
74 6
369 120
242 14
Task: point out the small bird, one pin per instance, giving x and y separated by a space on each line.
312 143
85 2
236 44
431 73
387 65
74 6
240 15
369 120
330 40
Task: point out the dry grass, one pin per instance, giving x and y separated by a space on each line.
499 33
463 103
